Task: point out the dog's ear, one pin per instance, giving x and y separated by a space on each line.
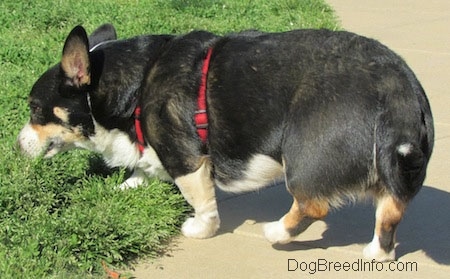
105 32
75 58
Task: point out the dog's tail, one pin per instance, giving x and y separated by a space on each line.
404 152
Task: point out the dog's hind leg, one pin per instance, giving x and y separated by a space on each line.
388 214
302 214
198 189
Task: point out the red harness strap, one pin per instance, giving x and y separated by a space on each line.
137 125
201 116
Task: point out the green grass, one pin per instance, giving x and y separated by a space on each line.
60 218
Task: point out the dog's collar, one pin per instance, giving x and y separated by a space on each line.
201 116
137 126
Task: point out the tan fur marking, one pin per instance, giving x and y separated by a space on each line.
45 132
389 213
315 209
61 113
293 217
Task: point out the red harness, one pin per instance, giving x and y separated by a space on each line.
200 117
137 126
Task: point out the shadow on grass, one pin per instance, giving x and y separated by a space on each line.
98 167
425 226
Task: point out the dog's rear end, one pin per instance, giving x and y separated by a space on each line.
390 167
367 129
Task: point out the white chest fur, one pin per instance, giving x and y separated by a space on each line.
119 151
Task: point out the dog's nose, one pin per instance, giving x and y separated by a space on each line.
19 145
28 141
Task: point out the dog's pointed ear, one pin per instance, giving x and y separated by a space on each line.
75 59
105 32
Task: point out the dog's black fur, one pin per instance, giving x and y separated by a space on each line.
333 113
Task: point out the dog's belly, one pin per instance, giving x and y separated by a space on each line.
259 171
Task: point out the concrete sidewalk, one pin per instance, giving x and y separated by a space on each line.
420 32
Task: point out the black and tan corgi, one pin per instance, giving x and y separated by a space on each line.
334 115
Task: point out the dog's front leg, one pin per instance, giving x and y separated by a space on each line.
137 178
198 189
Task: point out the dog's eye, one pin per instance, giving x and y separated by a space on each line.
35 109
36 114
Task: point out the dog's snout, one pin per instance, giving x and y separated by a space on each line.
28 141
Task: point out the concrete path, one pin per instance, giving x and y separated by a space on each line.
420 32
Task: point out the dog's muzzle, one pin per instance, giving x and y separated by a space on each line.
33 146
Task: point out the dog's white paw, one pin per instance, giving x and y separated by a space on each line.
128 184
198 227
136 179
275 232
373 251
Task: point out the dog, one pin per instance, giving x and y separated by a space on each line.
334 115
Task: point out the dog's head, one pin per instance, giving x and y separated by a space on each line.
59 106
